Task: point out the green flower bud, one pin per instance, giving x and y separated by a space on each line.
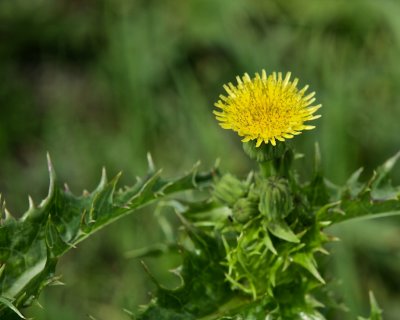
229 189
265 152
275 199
245 209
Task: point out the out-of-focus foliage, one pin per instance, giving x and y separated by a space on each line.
103 82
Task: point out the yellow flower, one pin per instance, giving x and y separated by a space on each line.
266 108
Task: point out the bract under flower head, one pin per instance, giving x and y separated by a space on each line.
266 108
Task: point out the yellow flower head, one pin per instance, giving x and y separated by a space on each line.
266 108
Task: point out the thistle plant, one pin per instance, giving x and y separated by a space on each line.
251 247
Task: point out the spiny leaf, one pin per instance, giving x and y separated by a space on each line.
365 200
280 229
203 287
353 184
384 169
363 205
376 312
268 243
9 304
307 261
31 246
53 239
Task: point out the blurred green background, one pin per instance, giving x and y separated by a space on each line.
103 82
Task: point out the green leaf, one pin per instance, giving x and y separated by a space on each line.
203 287
9 305
280 229
364 205
376 312
307 261
53 239
268 243
372 199
31 246
353 184
384 169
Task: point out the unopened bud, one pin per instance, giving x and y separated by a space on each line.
265 152
245 209
275 199
229 189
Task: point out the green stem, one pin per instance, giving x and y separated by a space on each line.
267 169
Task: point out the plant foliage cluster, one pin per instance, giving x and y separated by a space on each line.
250 248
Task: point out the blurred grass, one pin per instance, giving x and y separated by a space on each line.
102 82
